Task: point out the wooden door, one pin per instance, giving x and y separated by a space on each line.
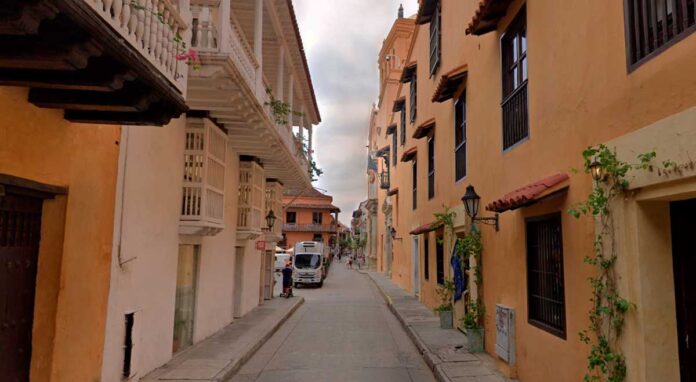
186 288
684 255
20 228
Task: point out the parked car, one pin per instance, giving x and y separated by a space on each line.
280 260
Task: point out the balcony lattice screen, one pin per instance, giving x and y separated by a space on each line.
252 196
204 173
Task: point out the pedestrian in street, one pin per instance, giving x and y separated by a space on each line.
349 264
287 280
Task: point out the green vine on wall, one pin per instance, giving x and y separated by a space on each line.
467 249
607 315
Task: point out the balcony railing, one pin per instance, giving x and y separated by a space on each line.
152 27
293 227
384 180
252 195
515 119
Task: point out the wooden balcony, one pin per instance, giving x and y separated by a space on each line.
251 202
102 61
231 86
318 228
203 196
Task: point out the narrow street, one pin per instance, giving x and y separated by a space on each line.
343 332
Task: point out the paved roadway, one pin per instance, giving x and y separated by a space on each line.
343 332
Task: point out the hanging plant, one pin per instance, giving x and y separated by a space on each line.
280 110
606 362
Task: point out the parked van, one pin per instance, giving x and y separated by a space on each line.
308 263
281 258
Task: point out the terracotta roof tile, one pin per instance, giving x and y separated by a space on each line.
314 206
525 195
424 128
487 15
426 9
425 228
449 83
409 70
399 104
391 128
393 191
409 154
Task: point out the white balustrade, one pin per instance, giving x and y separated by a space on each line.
151 27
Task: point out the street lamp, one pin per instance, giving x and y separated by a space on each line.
270 219
472 203
597 171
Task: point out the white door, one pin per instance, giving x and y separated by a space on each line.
415 260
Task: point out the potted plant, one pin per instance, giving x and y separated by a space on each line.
472 322
445 292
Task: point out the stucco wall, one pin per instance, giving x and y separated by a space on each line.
580 94
72 286
148 221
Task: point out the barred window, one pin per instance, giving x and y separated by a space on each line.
545 285
460 137
435 40
513 46
431 167
414 97
403 126
414 179
654 25
426 258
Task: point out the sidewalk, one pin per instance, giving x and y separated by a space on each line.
444 350
218 357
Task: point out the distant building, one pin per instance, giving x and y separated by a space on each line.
309 215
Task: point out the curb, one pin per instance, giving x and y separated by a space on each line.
430 359
233 367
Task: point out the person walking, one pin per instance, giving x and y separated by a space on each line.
287 280
349 263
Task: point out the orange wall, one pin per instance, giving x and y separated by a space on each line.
580 94
75 253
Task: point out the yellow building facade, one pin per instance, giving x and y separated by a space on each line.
505 96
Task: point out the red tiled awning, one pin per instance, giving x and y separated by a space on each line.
425 228
526 195
449 83
487 15
399 104
426 9
391 128
393 191
383 151
424 128
409 154
408 72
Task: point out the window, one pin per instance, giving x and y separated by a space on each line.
431 167
316 217
394 156
654 25
460 137
290 217
426 258
545 287
413 102
514 65
128 345
440 260
435 40
317 237
403 126
414 179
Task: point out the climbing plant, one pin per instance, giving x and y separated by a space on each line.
280 110
607 315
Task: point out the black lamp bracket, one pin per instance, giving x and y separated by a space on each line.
489 221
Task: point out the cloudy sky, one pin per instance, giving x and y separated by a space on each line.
342 39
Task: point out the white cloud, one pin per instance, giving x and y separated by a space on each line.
342 39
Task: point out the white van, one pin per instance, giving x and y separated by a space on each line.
281 258
308 263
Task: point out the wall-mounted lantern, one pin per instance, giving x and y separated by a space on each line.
270 220
472 203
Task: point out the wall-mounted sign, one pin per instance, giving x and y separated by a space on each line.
261 245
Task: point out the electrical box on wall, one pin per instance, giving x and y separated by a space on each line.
505 333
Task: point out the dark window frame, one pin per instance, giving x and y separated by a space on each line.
539 292
435 39
460 137
402 128
440 260
128 345
642 44
320 216
320 236
294 217
395 158
426 257
413 100
514 74
431 166
414 180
